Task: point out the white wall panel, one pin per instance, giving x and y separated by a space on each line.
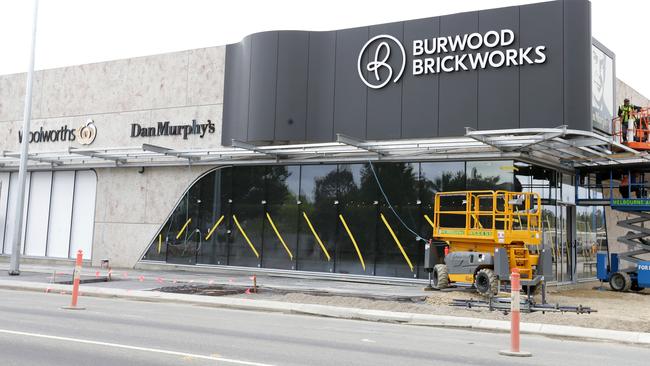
37 214
83 213
58 240
11 209
4 196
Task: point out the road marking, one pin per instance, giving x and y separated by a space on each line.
135 348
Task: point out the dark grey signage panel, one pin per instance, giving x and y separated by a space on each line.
291 113
385 104
498 89
458 90
420 109
541 89
264 71
350 96
577 64
236 85
525 66
320 86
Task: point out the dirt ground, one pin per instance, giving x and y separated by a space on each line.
620 311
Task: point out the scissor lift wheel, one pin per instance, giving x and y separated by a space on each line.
486 282
620 281
440 276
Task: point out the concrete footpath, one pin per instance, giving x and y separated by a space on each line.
138 285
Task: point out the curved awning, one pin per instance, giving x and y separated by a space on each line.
560 148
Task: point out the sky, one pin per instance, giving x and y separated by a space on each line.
73 32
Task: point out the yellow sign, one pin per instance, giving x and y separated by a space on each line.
471 232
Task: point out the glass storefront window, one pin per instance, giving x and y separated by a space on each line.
358 213
591 238
491 175
247 207
440 177
400 182
281 217
237 215
550 234
568 189
318 218
217 220
530 178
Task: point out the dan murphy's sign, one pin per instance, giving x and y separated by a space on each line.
166 128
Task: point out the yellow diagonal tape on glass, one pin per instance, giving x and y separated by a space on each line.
214 227
245 236
313 231
399 245
354 242
277 233
429 220
178 236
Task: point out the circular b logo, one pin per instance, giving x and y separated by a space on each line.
379 64
86 133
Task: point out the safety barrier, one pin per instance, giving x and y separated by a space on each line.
515 316
76 280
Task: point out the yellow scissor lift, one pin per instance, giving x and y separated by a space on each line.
488 233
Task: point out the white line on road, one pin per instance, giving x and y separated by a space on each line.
144 349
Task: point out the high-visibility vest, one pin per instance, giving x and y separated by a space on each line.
626 111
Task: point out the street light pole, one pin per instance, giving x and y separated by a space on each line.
14 265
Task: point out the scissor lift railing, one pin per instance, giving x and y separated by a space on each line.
490 217
639 122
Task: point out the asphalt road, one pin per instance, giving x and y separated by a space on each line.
36 331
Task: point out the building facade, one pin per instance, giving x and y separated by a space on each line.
313 151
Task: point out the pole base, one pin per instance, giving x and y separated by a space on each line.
516 354
14 272
429 288
72 308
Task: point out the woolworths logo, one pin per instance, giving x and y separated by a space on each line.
84 134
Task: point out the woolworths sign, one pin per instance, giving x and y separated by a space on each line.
385 60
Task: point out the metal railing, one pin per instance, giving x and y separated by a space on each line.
637 131
499 216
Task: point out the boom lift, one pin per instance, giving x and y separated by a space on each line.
638 132
488 234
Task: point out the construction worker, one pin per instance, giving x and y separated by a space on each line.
625 112
624 186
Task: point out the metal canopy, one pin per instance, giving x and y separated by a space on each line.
559 148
